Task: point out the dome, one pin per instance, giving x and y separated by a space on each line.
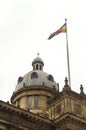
36 77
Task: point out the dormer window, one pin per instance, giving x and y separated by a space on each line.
34 75
50 78
20 79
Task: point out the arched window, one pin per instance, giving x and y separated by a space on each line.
37 66
40 67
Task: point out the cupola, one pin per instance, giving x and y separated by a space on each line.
37 63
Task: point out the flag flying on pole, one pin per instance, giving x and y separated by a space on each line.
62 29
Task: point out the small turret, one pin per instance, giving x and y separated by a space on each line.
38 63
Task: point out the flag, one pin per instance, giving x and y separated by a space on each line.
63 29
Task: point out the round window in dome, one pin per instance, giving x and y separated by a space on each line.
50 78
34 75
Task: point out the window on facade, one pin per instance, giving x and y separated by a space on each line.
36 101
30 101
34 75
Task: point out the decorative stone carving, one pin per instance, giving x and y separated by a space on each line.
77 108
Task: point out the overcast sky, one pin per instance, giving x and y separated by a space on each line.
25 26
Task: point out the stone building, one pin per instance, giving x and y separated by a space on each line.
38 104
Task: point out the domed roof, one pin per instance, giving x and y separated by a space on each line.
36 77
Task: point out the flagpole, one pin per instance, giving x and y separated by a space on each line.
68 62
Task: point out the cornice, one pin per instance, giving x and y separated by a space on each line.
72 117
31 88
6 107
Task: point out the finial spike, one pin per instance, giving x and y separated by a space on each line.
66 86
38 54
66 81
